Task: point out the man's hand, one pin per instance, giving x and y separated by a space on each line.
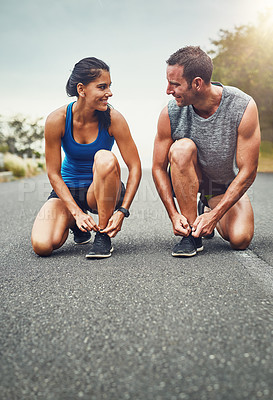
114 224
86 223
181 226
204 224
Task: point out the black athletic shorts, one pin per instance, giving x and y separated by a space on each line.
79 195
207 188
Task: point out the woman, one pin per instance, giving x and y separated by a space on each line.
88 179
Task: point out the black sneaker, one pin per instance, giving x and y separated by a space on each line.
187 247
80 237
201 208
101 248
199 244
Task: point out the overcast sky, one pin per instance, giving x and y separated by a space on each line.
41 40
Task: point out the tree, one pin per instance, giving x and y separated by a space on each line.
20 136
244 58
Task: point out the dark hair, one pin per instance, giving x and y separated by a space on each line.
85 71
195 62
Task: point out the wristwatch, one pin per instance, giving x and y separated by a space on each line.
124 211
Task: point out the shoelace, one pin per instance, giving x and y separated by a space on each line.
190 239
101 239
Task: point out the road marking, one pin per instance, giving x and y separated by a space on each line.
257 268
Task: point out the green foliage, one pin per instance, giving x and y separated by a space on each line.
41 165
266 149
20 136
16 165
266 157
22 167
244 58
3 147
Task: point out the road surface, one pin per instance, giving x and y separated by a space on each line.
141 324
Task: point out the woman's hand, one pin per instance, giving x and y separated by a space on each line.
114 224
86 223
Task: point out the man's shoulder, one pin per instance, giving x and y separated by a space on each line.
172 104
179 118
236 92
174 110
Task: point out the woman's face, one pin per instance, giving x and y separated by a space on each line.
97 92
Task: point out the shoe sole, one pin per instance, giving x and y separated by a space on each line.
100 255
184 254
87 241
188 255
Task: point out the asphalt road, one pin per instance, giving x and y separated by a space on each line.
141 324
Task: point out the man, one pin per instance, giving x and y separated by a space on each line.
207 141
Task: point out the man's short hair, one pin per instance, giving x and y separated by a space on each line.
195 62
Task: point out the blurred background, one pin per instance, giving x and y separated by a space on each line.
42 40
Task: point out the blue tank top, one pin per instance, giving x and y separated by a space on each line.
77 166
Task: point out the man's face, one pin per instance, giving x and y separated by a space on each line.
178 86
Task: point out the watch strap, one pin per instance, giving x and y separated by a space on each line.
124 211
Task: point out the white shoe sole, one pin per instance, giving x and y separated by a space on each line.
100 255
188 255
184 254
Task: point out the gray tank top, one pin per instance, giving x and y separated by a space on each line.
216 136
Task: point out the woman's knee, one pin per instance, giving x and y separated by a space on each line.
42 248
45 244
182 151
105 162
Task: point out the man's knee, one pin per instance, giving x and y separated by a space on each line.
240 240
182 151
